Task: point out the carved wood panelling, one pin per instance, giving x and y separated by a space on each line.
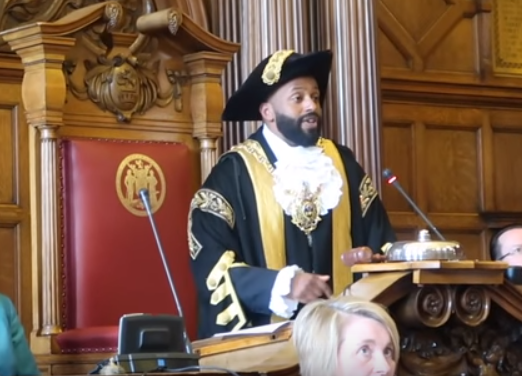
15 236
442 157
450 132
29 229
506 161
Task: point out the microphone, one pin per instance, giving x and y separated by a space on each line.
144 195
392 179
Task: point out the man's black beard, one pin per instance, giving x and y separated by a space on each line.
292 129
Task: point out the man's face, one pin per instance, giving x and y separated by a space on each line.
294 112
511 247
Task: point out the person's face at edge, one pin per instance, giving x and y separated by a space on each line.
511 247
366 349
293 112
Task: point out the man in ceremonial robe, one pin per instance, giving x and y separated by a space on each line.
268 227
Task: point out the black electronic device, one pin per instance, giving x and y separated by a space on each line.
153 342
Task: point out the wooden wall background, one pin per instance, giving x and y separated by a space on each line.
445 113
15 225
452 126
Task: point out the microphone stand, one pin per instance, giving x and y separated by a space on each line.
144 195
392 179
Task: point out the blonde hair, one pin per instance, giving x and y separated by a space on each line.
318 326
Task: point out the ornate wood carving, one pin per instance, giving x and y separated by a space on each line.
428 306
129 61
44 111
489 348
204 69
23 12
125 83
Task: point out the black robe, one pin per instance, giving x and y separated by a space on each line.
223 217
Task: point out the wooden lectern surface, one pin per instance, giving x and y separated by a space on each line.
267 353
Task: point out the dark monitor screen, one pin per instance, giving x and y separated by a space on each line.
142 333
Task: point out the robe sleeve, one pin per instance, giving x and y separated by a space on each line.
228 288
378 231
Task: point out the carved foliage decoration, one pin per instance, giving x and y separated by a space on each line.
19 12
125 85
125 82
478 339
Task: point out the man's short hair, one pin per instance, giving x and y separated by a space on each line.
495 248
318 329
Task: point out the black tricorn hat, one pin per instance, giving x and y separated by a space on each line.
272 73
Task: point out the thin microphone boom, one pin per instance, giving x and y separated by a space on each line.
392 179
144 195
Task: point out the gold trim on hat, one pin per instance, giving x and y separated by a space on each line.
272 71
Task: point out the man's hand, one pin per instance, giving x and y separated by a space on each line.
307 287
361 255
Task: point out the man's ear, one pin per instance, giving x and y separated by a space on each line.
267 112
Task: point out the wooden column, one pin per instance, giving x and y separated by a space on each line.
262 27
352 112
205 70
43 95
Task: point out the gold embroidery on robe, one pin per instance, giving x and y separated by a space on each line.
367 194
221 286
212 202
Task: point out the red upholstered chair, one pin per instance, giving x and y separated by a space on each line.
111 265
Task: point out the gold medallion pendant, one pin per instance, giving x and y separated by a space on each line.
306 210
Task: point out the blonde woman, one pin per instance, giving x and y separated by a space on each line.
346 336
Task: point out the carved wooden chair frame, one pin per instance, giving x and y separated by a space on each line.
44 48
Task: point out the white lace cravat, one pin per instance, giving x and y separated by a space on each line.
305 173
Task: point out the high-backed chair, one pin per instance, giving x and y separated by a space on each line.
111 265
116 102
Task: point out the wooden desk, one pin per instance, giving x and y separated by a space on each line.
271 354
454 318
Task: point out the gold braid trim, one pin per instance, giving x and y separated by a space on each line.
212 202
220 283
367 194
341 223
272 71
270 214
